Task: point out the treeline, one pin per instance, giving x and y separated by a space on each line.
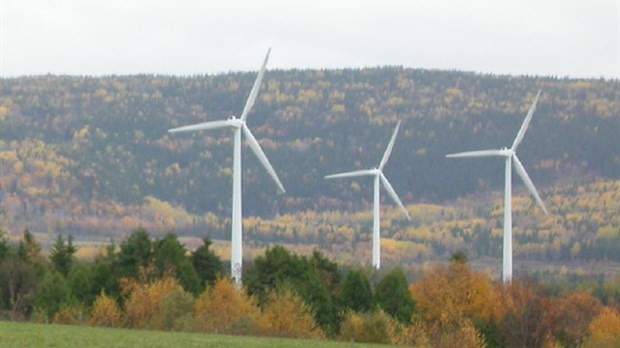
146 283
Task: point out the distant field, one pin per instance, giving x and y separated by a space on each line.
64 336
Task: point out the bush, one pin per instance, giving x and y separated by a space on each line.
175 308
287 315
68 316
225 309
144 302
105 312
371 327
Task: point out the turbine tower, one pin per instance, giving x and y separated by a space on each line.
378 174
238 125
510 157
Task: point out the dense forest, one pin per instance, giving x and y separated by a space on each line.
91 157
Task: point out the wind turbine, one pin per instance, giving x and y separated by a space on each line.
238 125
510 155
377 172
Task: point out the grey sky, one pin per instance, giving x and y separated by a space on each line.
186 37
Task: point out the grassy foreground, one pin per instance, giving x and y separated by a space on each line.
42 335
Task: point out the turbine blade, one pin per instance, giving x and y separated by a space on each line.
525 124
388 151
261 156
481 153
254 92
201 126
528 182
350 174
390 190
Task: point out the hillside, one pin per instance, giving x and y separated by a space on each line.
91 157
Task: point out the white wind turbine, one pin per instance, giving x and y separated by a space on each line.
378 174
510 155
237 125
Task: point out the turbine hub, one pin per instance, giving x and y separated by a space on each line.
506 152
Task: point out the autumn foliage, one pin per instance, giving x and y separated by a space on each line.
287 315
225 309
105 312
449 305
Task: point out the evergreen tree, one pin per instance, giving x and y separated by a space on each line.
208 265
52 293
135 252
29 249
393 296
278 268
169 255
61 255
104 275
356 292
80 281
4 245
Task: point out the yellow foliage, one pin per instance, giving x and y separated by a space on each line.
226 309
67 316
605 329
145 300
367 328
286 315
449 294
105 312
8 156
464 335
432 334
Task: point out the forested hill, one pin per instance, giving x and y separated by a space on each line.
72 144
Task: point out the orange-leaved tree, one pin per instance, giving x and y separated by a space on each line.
574 313
448 294
144 300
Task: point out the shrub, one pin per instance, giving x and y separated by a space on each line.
225 309
287 315
68 316
370 327
174 310
145 301
105 312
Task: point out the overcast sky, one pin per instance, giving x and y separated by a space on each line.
188 37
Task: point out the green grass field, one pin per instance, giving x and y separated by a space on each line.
64 336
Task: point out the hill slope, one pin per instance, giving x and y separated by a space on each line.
91 156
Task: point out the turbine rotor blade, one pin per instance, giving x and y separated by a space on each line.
525 124
202 126
528 182
254 92
388 151
481 153
392 193
351 174
261 156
